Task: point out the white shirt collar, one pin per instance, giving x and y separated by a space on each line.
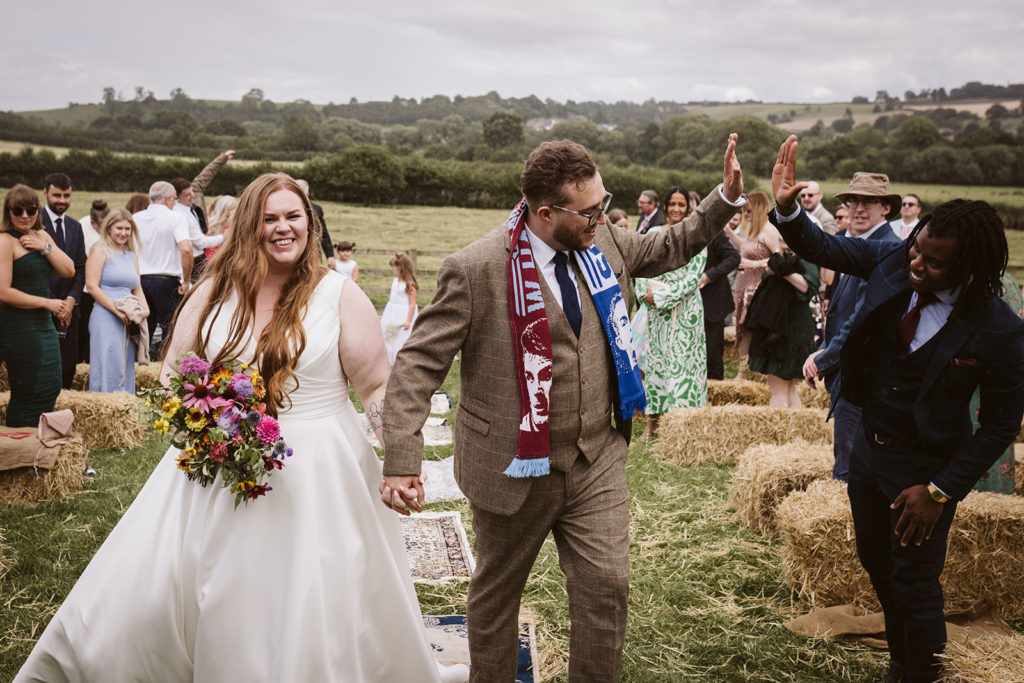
543 253
871 231
53 216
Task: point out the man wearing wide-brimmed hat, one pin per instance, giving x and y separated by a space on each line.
869 200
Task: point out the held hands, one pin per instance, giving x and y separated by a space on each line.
732 177
784 185
920 513
403 494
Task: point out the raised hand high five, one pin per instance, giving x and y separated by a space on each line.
732 178
784 185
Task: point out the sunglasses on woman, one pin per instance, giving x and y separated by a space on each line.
20 211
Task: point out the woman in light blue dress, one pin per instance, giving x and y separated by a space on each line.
112 272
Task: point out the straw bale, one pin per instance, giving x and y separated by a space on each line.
81 380
742 391
814 398
104 420
766 474
26 485
147 376
819 557
5 383
984 561
719 434
989 659
985 558
1018 471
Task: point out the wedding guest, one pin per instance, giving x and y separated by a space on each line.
90 230
400 312
136 203
28 342
716 294
344 263
618 217
219 221
91 223
112 273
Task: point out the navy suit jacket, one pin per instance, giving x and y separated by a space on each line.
979 348
847 296
74 246
717 295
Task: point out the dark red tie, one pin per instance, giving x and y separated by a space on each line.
908 326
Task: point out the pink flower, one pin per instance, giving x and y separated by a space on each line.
268 430
200 396
194 365
219 451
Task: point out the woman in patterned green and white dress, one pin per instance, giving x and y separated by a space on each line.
677 372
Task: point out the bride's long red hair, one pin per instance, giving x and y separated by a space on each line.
240 267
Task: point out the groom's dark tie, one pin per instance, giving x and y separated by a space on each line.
58 231
570 304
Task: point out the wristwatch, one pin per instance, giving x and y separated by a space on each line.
937 495
47 249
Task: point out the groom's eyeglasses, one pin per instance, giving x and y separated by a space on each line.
20 211
594 216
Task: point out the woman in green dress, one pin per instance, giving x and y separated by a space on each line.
676 373
29 342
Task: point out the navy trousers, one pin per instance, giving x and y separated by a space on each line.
162 298
846 419
906 580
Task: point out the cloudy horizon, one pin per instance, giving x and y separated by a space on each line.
678 50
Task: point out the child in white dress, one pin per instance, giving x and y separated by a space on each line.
401 310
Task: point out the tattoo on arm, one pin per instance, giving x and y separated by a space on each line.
375 414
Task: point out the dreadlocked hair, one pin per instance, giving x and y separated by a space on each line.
981 253
239 268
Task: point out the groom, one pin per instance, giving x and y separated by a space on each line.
543 285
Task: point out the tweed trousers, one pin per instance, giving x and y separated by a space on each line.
587 511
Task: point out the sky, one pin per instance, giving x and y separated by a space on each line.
334 50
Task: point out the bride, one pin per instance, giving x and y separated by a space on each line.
308 583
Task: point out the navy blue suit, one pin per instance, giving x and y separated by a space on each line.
73 244
935 443
849 292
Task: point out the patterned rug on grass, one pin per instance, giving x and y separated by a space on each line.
437 547
441 484
450 641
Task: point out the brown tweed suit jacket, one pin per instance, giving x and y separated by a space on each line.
470 314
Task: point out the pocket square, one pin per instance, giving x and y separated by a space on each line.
964 361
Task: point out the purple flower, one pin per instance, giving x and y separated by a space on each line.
194 365
228 421
252 418
268 430
242 386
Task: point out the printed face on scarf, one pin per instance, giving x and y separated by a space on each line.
623 333
538 385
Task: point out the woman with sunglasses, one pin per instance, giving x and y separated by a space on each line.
29 342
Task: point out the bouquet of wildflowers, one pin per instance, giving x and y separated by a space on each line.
215 415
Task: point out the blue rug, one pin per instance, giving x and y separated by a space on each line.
450 642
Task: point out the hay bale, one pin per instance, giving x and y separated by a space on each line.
741 391
984 561
5 383
26 485
816 397
985 558
766 474
147 376
104 420
81 380
819 558
719 434
1018 472
988 659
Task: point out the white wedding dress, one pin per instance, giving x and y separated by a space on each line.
308 583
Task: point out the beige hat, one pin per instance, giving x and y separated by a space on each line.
872 185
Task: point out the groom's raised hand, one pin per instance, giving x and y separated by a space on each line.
784 185
732 177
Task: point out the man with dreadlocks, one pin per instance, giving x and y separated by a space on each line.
930 330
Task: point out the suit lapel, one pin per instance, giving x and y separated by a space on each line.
952 337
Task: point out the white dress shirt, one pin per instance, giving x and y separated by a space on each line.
90 233
544 259
933 316
200 242
160 231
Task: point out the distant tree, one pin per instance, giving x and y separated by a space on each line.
503 129
916 133
109 99
179 95
859 99
253 98
364 173
996 111
939 95
848 113
842 125
128 120
299 134
577 130
909 95
225 127
882 96
143 95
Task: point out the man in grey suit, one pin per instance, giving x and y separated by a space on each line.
810 198
567 393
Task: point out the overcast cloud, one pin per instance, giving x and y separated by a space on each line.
331 51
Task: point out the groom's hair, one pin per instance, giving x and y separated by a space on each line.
550 167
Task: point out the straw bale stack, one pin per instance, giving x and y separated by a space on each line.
104 420
990 659
26 485
814 398
729 350
766 474
1018 472
147 376
744 392
719 434
984 562
81 380
819 559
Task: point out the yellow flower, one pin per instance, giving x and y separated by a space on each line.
184 463
195 420
190 452
259 392
223 376
244 366
170 407
162 426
